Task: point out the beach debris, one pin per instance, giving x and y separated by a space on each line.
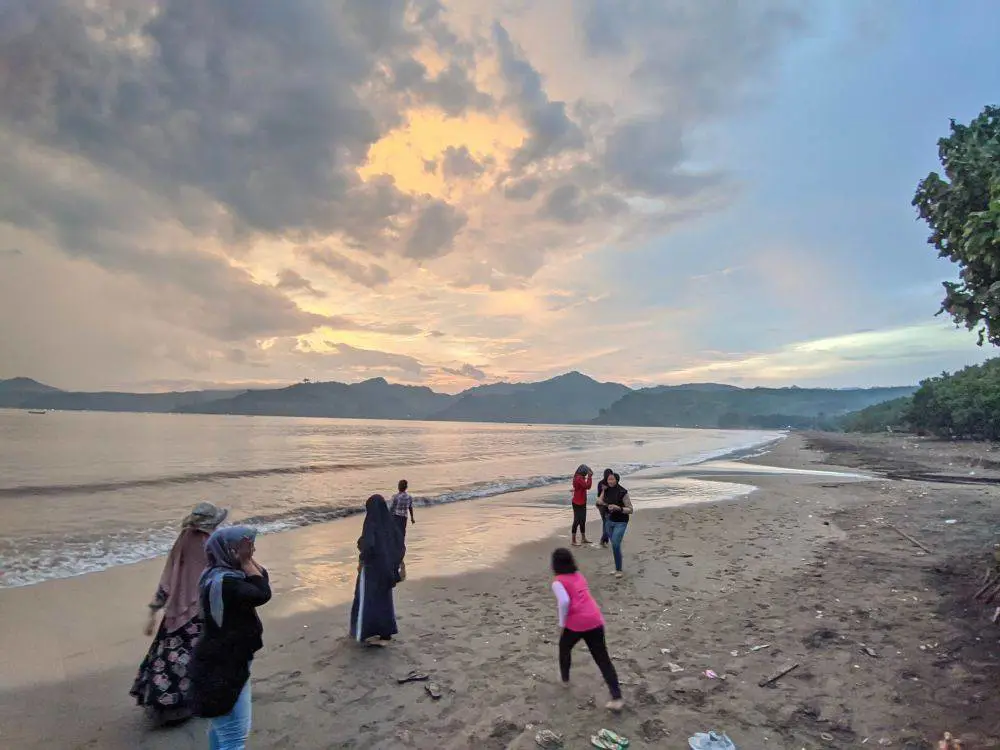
601 743
910 539
710 741
413 676
433 690
734 652
947 742
867 650
664 651
548 739
826 737
616 740
779 674
950 521
674 668
755 649
712 675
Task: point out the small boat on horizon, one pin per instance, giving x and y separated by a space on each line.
37 411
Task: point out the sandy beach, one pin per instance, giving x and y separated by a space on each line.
892 651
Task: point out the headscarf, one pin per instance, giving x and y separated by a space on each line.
604 481
205 517
179 581
221 551
381 543
614 495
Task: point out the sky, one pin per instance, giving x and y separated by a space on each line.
454 192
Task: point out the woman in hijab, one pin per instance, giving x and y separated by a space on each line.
373 617
230 590
162 684
602 509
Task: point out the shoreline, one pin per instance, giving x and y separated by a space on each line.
799 563
508 489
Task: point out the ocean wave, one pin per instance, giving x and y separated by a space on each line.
25 562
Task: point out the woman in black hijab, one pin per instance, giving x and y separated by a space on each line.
373 617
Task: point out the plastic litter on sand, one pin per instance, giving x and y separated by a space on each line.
710 741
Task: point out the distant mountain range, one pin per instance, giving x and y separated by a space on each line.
572 398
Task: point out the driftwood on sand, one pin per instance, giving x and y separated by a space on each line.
910 539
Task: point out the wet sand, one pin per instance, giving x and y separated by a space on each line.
805 564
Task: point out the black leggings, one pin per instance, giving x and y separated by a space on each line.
598 649
580 519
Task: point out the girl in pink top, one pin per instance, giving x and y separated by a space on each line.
580 619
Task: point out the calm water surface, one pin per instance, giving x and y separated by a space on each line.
82 491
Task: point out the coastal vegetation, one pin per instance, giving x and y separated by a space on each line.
962 210
963 405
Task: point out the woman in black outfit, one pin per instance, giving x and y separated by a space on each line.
380 560
231 588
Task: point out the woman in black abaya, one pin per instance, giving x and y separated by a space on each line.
373 617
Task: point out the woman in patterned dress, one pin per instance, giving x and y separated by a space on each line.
163 684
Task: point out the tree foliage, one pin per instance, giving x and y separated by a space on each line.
963 405
963 212
890 415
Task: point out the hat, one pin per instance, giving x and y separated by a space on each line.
205 517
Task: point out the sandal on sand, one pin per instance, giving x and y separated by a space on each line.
615 705
413 676
616 739
548 739
602 744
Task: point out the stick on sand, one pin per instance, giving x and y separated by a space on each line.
910 539
778 675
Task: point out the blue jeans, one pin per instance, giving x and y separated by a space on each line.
230 732
616 530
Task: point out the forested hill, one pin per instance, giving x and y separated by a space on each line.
965 405
731 407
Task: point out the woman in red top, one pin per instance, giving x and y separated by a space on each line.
582 481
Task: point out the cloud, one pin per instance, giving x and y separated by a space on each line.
522 190
185 156
467 371
366 274
905 349
353 357
550 130
459 163
435 230
292 281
